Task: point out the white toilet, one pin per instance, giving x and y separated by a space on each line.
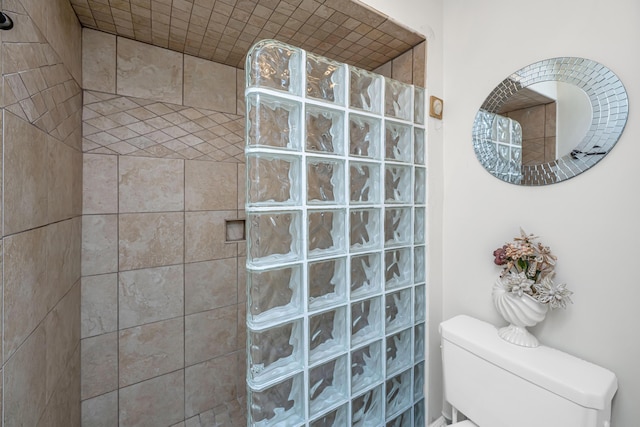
498 384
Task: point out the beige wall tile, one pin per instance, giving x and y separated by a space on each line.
384 69
63 408
402 67
209 384
210 334
241 375
99 305
99 358
100 184
64 33
210 284
240 87
64 178
210 185
150 240
149 295
155 402
205 236
209 85
150 185
25 286
242 183
420 64
242 279
150 350
150 72
64 242
62 328
242 328
101 411
25 175
24 382
99 244
98 61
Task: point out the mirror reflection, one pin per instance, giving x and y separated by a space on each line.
550 121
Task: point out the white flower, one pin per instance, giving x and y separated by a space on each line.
519 283
550 293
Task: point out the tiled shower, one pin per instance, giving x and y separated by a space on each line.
122 286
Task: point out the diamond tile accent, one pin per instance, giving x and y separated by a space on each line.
114 124
38 87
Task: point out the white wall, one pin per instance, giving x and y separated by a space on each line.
591 221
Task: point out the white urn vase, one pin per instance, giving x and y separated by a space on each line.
520 311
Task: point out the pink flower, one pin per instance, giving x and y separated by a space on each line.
501 256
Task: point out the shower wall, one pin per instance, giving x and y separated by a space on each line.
42 202
163 294
163 311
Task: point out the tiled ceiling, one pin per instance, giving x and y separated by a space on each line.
223 30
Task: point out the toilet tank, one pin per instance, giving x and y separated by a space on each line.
498 384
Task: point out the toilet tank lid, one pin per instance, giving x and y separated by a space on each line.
575 379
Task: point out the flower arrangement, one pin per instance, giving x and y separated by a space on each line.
529 270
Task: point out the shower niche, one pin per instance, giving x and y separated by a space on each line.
336 194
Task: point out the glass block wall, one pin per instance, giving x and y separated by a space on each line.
336 194
499 139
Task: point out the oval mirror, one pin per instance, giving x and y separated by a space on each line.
550 121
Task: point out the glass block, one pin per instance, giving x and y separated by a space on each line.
418 346
367 409
418 381
280 404
419 146
273 179
420 187
397 99
364 229
419 264
365 90
365 275
274 352
398 310
398 352
326 232
328 385
366 367
327 334
397 226
275 65
364 136
398 391
420 301
419 226
336 418
419 414
516 133
274 237
274 295
419 105
397 184
327 283
402 420
364 183
325 181
326 79
324 130
273 122
397 268
516 160
366 321
501 129
397 141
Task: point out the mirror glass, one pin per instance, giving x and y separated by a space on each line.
550 121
